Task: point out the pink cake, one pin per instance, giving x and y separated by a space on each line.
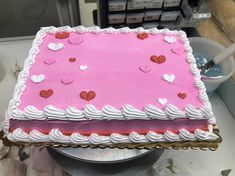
110 86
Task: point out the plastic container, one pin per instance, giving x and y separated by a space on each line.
154 4
117 5
171 3
134 18
117 18
170 16
152 15
141 4
136 4
209 49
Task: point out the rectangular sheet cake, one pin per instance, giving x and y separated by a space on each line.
92 86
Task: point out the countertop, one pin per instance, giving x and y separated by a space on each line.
203 163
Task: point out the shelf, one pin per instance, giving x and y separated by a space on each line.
133 11
104 13
143 10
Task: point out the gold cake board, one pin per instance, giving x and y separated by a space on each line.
195 145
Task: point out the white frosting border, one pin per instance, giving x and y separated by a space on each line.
55 135
170 112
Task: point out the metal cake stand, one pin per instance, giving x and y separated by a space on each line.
104 162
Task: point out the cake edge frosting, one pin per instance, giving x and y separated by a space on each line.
55 135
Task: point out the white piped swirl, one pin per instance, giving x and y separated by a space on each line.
205 135
170 136
190 58
137 138
208 114
132 113
54 113
110 112
37 136
119 138
153 31
186 135
73 113
32 113
19 115
125 30
173 112
109 30
99 139
20 135
93 29
155 137
11 138
91 112
5 126
193 113
139 30
203 96
199 84
77 138
56 135
155 113
195 70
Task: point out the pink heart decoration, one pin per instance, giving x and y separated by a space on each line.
178 50
49 61
66 81
145 68
75 40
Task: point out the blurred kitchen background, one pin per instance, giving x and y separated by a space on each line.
213 19
25 17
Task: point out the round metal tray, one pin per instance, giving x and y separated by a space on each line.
105 162
99 155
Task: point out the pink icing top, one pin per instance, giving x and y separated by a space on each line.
119 71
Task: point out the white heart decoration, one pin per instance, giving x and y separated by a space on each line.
55 46
83 67
37 78
170 39
169 78
162 101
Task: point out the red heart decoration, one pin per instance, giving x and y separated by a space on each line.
158 59
46 93
182 95
87 95
142 35
62 35
72 59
